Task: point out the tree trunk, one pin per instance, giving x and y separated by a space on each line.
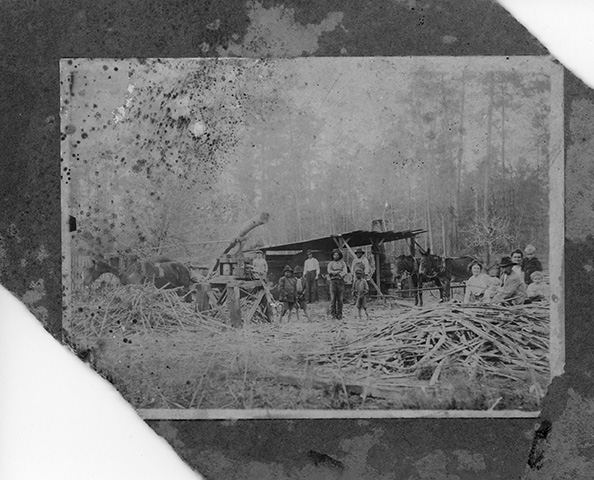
488 159
503 127
428 214
456 245
476 205
443 236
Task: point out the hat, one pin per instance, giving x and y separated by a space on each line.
506 262
287 269
298 269
309 252
359 250
336 250
259 251
358 269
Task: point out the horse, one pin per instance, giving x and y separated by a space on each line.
407 264
161 271
444 270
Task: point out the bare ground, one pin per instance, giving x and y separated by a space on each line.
289 365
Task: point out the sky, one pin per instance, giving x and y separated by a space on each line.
357 100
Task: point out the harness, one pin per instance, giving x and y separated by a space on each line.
435 270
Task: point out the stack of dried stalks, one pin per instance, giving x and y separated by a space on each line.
508 342
139 309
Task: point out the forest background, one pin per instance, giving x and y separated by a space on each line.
169 155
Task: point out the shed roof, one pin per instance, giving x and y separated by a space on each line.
357 238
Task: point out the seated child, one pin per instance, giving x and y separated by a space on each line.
537 291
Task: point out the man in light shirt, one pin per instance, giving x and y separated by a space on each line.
311 272
260 266
361 260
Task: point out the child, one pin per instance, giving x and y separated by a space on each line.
537 291
361 290
494 284
530 263
300 291
288 292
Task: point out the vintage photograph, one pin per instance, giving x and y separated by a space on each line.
347 236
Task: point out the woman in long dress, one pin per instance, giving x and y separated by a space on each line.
480 286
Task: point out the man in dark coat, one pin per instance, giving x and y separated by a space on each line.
513 289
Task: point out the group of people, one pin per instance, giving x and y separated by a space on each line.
292 291
298 287
520 280
337 275
295 289
515 280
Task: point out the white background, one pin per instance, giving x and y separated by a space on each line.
60 420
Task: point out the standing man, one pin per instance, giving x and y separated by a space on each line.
260 266
337 271
361 260
311 269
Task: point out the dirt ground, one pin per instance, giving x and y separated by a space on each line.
283 365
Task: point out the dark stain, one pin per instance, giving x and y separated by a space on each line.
71 224
323 460
536 456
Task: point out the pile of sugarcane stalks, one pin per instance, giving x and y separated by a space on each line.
485 340
138 309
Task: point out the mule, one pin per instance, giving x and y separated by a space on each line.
161 271
409 265
444 270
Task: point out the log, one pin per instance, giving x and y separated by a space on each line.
246 228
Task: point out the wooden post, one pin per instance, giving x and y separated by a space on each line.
234 305
202 300
378 273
